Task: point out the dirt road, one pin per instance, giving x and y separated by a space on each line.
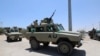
89 48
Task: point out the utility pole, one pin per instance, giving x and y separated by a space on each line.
69 16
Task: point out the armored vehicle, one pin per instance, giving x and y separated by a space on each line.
49 32
13 34
94 34
98 34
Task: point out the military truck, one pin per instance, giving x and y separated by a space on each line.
47 31
94 34
13 34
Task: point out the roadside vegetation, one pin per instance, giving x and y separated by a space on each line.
1 30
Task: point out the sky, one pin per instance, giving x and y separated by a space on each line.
21 13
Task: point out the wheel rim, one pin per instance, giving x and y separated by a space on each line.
34 44
64 48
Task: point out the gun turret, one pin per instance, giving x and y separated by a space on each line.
49 20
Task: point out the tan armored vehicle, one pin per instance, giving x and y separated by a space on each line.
13 34
48 32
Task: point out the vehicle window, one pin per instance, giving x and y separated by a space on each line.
39 29
29 29
16 30
12 30
60 27
32 29
50 28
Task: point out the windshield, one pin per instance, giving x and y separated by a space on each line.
12 30
60 27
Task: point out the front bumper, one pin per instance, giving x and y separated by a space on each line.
79 44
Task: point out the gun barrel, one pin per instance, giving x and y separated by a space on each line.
53 14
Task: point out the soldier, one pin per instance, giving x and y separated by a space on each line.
36 23
44 21
48 20
41 22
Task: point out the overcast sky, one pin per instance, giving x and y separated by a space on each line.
85 13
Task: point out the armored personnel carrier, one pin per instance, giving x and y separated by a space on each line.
13 34
94 34
47 31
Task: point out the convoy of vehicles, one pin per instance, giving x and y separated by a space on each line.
47 32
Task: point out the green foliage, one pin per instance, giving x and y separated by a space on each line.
1 30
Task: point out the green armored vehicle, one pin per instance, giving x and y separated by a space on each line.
47 32
13 34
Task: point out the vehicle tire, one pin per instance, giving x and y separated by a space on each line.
8 39
20 39
34 44
45 44
65 48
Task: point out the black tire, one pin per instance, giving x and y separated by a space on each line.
20 39
65 48
34 44
45 44
8 39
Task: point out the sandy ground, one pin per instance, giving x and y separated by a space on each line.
22 48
